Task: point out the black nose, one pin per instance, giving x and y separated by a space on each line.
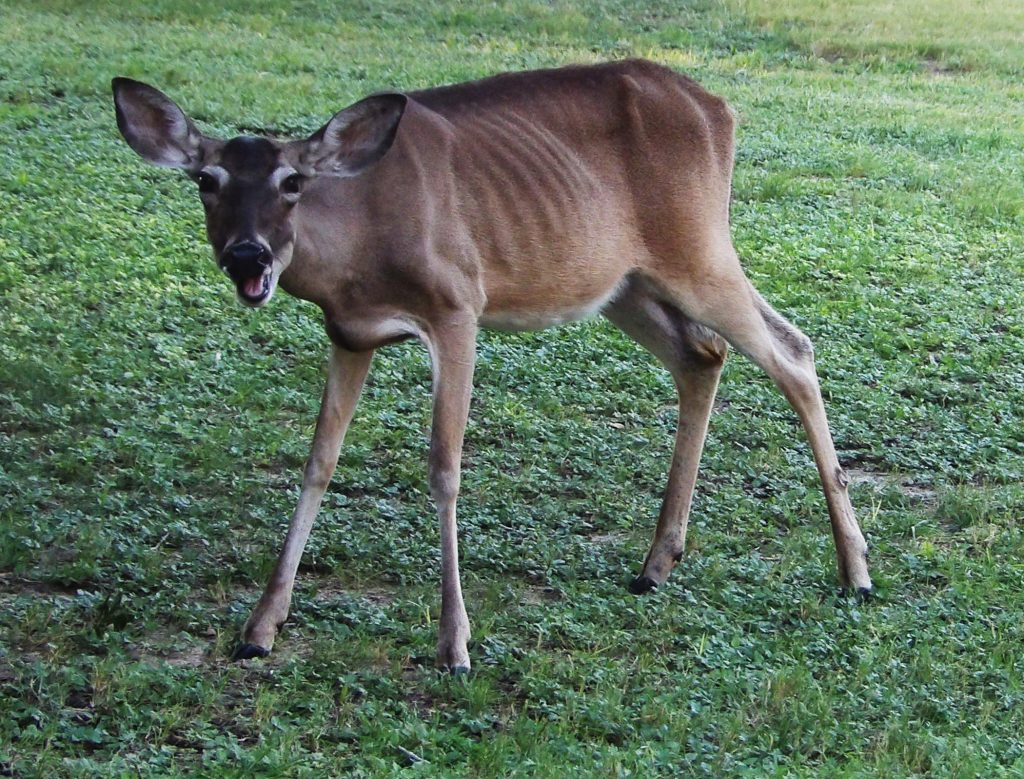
245 256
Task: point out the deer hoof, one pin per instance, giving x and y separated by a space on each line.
453 659
642 584
455 669
246 651
863 594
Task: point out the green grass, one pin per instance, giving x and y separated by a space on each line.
919 34
152 432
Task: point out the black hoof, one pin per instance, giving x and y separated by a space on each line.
459 670
863 594
642 584
246 651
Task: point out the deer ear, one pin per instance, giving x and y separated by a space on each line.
154 126
355 138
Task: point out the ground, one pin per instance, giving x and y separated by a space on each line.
152 432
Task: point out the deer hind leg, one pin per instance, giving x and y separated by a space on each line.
694 356
721 298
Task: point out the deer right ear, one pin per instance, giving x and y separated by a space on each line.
154 126
355 138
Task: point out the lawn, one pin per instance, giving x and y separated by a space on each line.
152 432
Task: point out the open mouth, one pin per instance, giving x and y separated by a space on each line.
250 264
254 289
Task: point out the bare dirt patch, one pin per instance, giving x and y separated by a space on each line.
535 595
175 649
603 539
939 69
17 585
881 480
327 591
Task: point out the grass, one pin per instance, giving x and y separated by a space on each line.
152 432
940 37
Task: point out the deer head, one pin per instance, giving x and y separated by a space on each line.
251 186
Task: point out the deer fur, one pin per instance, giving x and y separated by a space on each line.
518 201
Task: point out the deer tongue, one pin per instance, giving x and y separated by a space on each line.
253 287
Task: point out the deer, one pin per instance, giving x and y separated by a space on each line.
518 201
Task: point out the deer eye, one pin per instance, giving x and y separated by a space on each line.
207 184
292 184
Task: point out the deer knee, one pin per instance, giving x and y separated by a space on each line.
444 475
444 485
318 471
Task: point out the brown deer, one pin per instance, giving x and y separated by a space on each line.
515 202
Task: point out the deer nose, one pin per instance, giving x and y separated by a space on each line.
245 255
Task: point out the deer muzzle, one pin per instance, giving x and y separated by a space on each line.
250 266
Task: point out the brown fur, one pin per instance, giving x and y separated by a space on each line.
517 201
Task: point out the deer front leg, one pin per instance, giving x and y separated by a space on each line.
453 353
345 376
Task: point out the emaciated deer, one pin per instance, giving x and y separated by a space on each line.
515 202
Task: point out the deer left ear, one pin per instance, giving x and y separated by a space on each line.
355 138
154 126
